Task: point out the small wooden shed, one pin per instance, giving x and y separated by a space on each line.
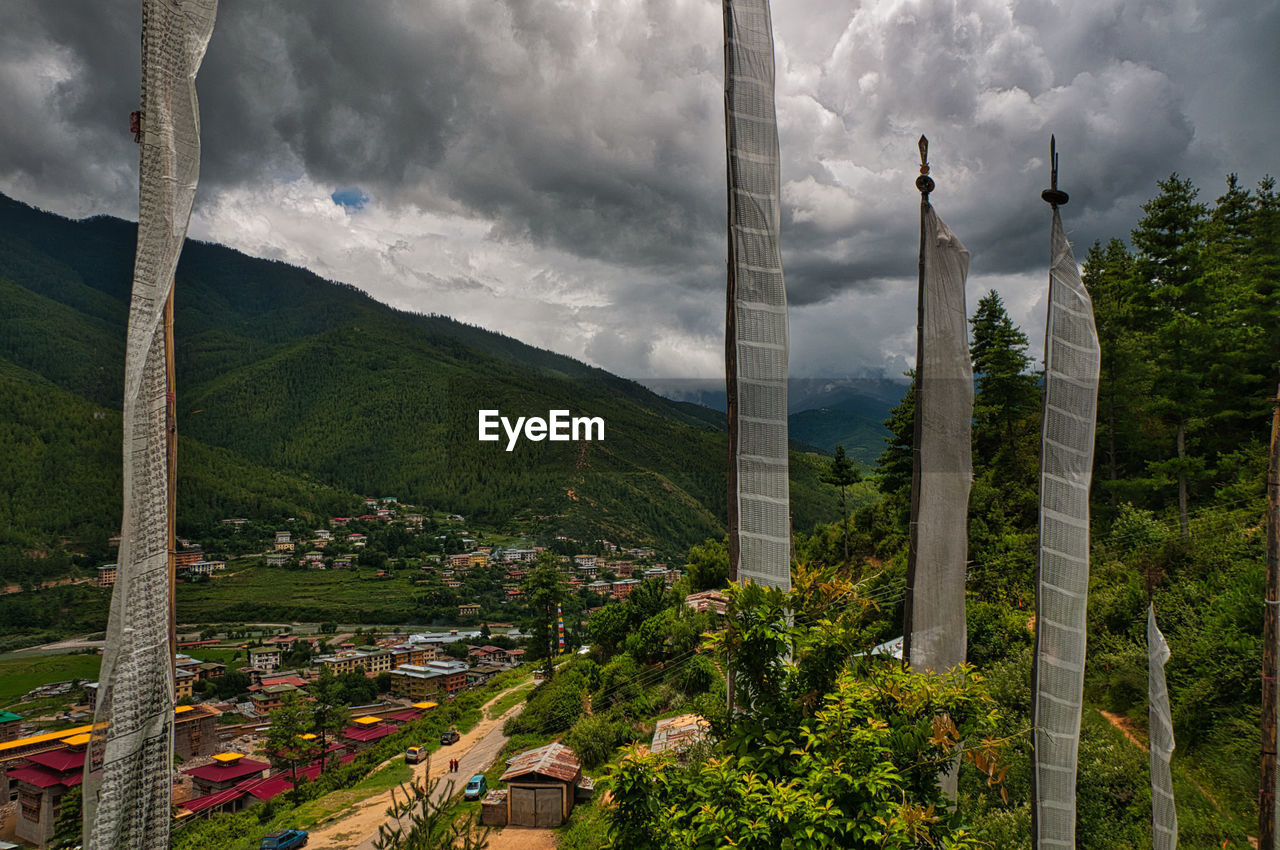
541 786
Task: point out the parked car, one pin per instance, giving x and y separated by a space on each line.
476 788
413 755
284 839
450 737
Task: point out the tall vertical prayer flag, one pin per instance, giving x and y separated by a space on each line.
1072 359
128 774
756 338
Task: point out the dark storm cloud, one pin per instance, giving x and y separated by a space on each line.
577 147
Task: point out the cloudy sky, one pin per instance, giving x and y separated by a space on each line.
554 169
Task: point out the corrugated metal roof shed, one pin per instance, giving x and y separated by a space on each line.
554 760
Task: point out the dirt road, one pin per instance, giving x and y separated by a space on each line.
477 749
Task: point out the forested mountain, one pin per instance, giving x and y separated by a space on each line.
303 391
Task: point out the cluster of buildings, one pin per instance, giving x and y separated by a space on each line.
39 770
230 781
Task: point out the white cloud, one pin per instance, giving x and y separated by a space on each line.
554 170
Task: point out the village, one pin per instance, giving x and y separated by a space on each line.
393 687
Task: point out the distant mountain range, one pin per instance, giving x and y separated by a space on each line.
296 393
824 412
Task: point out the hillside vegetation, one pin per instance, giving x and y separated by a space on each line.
296 392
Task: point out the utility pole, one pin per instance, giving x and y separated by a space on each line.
1271 635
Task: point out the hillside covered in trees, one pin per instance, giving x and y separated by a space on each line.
1188 316
296 393
838 749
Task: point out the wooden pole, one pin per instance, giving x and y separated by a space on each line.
1271 620
926 185
171 446
730 348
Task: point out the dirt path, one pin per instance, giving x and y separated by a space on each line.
1123 724
476 750
520 838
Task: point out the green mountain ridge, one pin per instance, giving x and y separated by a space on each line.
295 393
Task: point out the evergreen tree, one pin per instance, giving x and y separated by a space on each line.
894 464
1006 440
544 589
329 711
1126 377
842 474
287 739
1173 310
1006 393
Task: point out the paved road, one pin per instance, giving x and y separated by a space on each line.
477 759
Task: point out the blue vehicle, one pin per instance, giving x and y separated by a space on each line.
476 788
284 839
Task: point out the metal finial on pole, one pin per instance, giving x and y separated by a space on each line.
924 182
1053 194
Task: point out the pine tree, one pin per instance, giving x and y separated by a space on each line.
842 474
1126 375
894 464
1006 394
1172 307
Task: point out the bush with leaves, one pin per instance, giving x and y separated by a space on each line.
822 755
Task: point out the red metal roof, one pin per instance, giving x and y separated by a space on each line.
224 772
43 777
262 789
366 734
406 716
554 760
210 800
60 760
265 789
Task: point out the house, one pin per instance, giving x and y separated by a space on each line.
453 673
622 569
187 557
265 657
270 697
225 771
707 600
541 785
41 780
603 588
477 676
184 682
404 654
9 725
357 539
585 560
677 734
622 588
206 568
314 559
284 541
195 730
107 575
416 682
471 609
366 731
277 560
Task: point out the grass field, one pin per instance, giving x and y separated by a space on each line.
252 594
19 674
497 707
